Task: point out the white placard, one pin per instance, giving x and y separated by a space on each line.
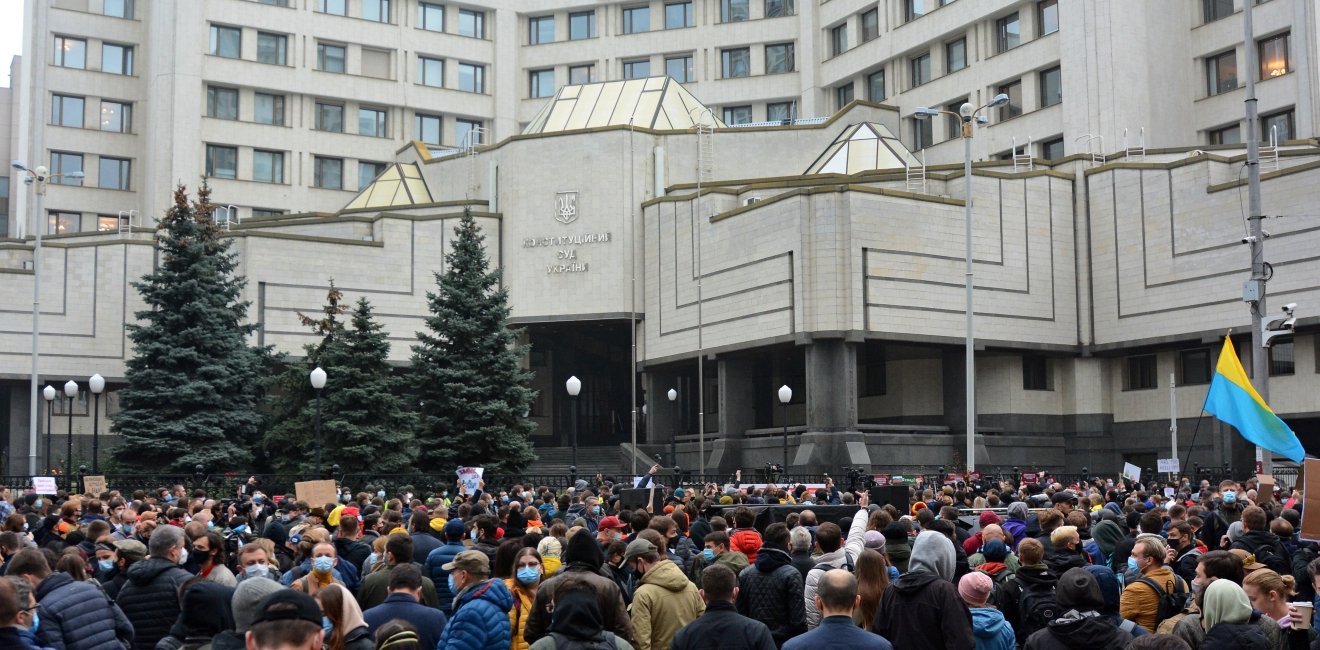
1131 471
1168 465
44 485
1168 492
471 478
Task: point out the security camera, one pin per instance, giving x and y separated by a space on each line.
1249 239
1289 308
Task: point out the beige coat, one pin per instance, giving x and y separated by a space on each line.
664 601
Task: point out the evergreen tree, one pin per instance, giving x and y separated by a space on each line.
473 390
194 382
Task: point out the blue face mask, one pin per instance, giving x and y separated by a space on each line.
1230 497
36 622
127 529
473 534
326 625
38 504
529 575
1132 564
371 559
323 564
380 493
240 529
257 499
106 566
595 510
504 499
708 555
452 588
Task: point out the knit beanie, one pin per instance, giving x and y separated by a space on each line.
975 588
875 539
994 551
988 517
247 596
895 533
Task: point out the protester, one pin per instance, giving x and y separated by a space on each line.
150 598
923 609
989 628
247 596
835 554
404 602
1028 600
1080 626
18 615
836 597
209 551
287 620
442 555
583 561
527 576
873 578
576 622
398 551
1226 615
717 551
205 611
721 627
1141 601
481 606
771 589
665 600
344 626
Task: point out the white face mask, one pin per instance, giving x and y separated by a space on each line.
183 556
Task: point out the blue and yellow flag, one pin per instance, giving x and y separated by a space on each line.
1232 399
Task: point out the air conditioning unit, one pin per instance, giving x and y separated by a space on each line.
751 199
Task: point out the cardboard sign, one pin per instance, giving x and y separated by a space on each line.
44 485
471 478
316 493
1311 500
1167 465
1131 472
1030 478
1168 492
881 480
94 485
1265 488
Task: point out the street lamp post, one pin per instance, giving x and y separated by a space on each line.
968 114
37 178
97 384
673 438
318 382
785 394
70 391
49 393
574 386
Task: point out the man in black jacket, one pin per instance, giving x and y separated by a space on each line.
150 599
74 615
772 588
1257 539
721 627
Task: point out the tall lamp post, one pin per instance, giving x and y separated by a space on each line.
49 393
37 178
318 382
97 384
967 113
574 386
70 391
673 438
785 395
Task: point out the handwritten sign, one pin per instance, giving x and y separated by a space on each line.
471 478
1030 478
93 485
1131 472
44 485
316 494
1167 465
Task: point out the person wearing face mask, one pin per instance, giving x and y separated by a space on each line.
398 552
209 549
481 606
125 525
608 531
322 572
453 534
1141 599
717 551
77 615
19 618
527 575
583 560
150 598
254 563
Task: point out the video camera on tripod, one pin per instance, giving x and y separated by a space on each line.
858 479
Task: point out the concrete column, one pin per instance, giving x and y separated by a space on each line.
831 385
737 413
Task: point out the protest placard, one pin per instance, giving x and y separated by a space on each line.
93 485
316 494
470 477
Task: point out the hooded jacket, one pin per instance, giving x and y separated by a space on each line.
1028 575
1059 560
991 630
842 557
1227 616
77 615
746 541
664 602
922 609
150 599
577 618
481 619
1107 534
583 560
1257 541
439 577
1079 631
770 591
1016 524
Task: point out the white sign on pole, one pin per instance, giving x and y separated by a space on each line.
471 478
1131 471
1168 465
44 485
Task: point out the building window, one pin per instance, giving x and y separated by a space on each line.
113 173
920 69
116 116
1014 106
736 62
1277 125
1274 56
118 9
70 52
377 63
637 19
222 103
1141 373
1213 10
472 77
108 222
540 29
581 25
62 164
737 115
1052 149
272 48
583 74
679 68
542 83
117 59
1282 359
226 41
843 94
472 23
268 109
335 7
66 110
63 223
1035 372
431 72
367 172
372 122
266 213
221 161
1047 16
781 111
1221 72
431 16
953 121
275 3
1008 33
871 25
779 8
955 55
678 15
923 133
839 40
871 370
1051 87
468 132
875 86
328 173
1231 134
267 166
639 69
914 9
734 11
330 117
330 58
376 10
427 128
1194 366
779 58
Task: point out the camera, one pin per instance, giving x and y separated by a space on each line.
1289 308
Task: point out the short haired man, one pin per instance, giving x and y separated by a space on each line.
665 600
836 597
481 606
1140 601
836 553
716 551
1065 550
452 535
404 601
150 598
255 563
286 620
76 615
398 551
721 620
18 615
772 587
1257 539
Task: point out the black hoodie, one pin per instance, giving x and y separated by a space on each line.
150 599
923 611
1079 631
1010 595
577 617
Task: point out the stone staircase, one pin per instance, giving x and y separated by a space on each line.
606 460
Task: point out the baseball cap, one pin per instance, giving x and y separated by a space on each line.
288 605
470 561
454 529
638 548
609 523
1063 496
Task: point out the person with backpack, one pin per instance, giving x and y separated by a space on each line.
835 555
1257 539
922 609
989 628
995 561
1158 594
1028 600
1065 550
1080 625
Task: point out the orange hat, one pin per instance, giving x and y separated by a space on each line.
917 507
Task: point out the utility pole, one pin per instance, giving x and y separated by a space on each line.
1254 292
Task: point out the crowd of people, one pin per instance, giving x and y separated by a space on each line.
994 566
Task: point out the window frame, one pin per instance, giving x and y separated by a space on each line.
838 39
1042 81
915 65
789 57
948 55
420 124
535 81
383 13
730 114
281 49
870 86
629 19
322 111
1261 44
771 107
729 64
125 116
123 173
276 166
363 181
426 10
536 26
629 68
573 17
61 45
53 220
213 102
923 133
213 161
61 165
688 63
870 24
1215 136
1014 106
573 69
1290 119
844 94
1043 9
320 165
476 20
278 104
59 111
379 118
1185 378
1006 39
730 13
478 125
1036 373
1216 83
477 75
1281 365
914 9
126 55
1135 372
218 41
780 8
1046 145
1215 10
689 18
127 9
323 57
423 77
326 7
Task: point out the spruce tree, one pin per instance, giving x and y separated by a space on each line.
473 391
194 382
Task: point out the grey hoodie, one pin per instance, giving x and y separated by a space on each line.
932 552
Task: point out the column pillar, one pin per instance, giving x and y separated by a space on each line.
831 385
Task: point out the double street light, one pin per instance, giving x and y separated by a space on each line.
785 396
967 113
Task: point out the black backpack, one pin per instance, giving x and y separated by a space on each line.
1265 555
847 565
1171 603
564 643
1037 606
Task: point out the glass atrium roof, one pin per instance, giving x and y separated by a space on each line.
863 147
401 184
654 103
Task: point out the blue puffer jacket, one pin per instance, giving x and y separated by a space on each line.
481 619
78 615
436 559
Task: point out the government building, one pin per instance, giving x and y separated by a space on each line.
718 198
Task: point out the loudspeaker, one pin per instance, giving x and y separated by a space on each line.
897 495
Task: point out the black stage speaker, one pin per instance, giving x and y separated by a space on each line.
631 499
897 495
